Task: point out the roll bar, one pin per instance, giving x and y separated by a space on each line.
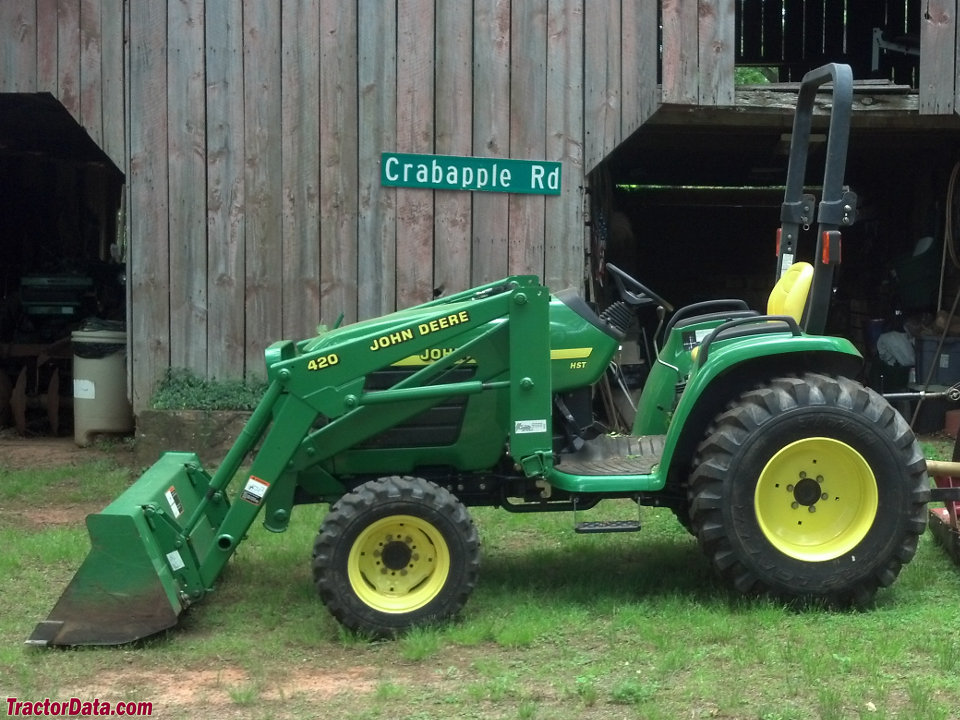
837 205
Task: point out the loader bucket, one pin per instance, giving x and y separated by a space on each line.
131 584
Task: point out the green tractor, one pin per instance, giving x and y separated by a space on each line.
797 481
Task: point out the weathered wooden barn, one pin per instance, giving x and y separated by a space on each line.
213 166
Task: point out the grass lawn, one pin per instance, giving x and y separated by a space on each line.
561 626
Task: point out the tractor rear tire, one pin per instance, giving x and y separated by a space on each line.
809 488
396 553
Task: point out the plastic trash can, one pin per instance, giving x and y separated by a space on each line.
100 403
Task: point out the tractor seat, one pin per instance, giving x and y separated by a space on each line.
789 295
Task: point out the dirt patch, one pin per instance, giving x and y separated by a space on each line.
231 686
53 516
17 453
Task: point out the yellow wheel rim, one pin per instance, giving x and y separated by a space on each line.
398 564
816 499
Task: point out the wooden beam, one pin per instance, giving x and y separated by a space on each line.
639 44
454 136
186 159
564 230
18 46
416 99
68 55
528 103
716 52
263 249
491 133
225 197
47 46
938 57
338 161
681 50
602 59
91 70
149 259
300 166
112 89
377 212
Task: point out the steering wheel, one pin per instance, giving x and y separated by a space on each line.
632 297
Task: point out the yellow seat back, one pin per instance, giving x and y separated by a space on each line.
789 295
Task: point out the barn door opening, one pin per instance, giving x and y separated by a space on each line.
690 205
62 258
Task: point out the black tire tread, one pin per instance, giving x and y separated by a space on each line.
747 416
404 492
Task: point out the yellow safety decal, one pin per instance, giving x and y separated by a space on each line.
571 353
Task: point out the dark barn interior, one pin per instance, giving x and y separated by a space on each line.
60 200
691 202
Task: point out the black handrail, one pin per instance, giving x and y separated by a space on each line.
761 325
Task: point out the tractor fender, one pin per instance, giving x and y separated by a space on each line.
736 365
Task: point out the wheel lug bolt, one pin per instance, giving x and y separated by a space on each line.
819 478
825 496
812 508
802 475
794 504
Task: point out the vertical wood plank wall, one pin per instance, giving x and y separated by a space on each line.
698 52
250 133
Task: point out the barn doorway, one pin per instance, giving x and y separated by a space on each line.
692 208
62 257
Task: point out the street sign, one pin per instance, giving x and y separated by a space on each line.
454 172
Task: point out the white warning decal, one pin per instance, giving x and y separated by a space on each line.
521 427
176 562
254 490
173 499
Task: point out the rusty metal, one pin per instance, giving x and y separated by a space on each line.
943 522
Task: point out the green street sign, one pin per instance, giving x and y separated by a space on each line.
454 172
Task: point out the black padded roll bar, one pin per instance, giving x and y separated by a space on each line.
837 206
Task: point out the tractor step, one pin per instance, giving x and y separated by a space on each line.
607 526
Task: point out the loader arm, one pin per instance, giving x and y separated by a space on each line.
163 543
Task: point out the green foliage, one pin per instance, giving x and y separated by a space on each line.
755 75
420 643
937 448
181 389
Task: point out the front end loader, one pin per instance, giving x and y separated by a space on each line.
797 480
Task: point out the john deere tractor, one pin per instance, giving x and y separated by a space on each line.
796 479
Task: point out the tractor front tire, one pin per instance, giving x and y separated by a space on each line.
809 488
395 553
